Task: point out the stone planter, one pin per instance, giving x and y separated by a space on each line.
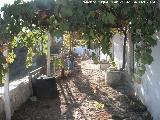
120 79
114 77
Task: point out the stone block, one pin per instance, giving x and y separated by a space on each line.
114 77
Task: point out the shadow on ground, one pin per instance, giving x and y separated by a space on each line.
82 97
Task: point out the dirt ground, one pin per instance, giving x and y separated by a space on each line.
84 96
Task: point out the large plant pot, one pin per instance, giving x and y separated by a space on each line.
45 87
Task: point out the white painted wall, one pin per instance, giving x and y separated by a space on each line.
149 90
103 56
117 46
19 91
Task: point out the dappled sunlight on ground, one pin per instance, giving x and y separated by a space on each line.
84 96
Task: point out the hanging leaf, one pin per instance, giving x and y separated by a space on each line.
111 18
108 18
146 58
66 11
58 33
104 18
105 42
65 26
11 56
92 34
151 40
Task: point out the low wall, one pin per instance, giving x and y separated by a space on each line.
2 113
19 92
148 90
120 78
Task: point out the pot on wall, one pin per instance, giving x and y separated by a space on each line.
45 87
114 77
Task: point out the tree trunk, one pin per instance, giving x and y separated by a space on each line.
130 63
62 72
62 57
124 48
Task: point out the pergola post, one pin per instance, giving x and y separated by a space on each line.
48 54
6 90
130 55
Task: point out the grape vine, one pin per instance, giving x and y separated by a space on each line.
95 22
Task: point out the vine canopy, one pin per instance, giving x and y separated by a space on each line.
96 22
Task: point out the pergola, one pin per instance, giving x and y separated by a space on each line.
95 22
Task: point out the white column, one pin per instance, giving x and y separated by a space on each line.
48 54
6 92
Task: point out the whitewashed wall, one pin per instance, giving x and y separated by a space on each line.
117 47
149 90
19 93
103 56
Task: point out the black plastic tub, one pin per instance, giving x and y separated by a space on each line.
45 87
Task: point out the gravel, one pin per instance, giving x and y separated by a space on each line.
84 96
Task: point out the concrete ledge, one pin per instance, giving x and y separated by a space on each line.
104 67
120 79
19 92
114 77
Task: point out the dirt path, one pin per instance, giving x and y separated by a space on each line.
83 96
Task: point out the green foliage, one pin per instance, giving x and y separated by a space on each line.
146 58
108 18
66 11
95 21
30 55
106 43
11 56
94 58
35 41
58 62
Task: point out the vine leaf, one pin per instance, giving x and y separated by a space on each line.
58 33
111 18
92 34
108 18
65 26
147 58
66 11
104 18
151 40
